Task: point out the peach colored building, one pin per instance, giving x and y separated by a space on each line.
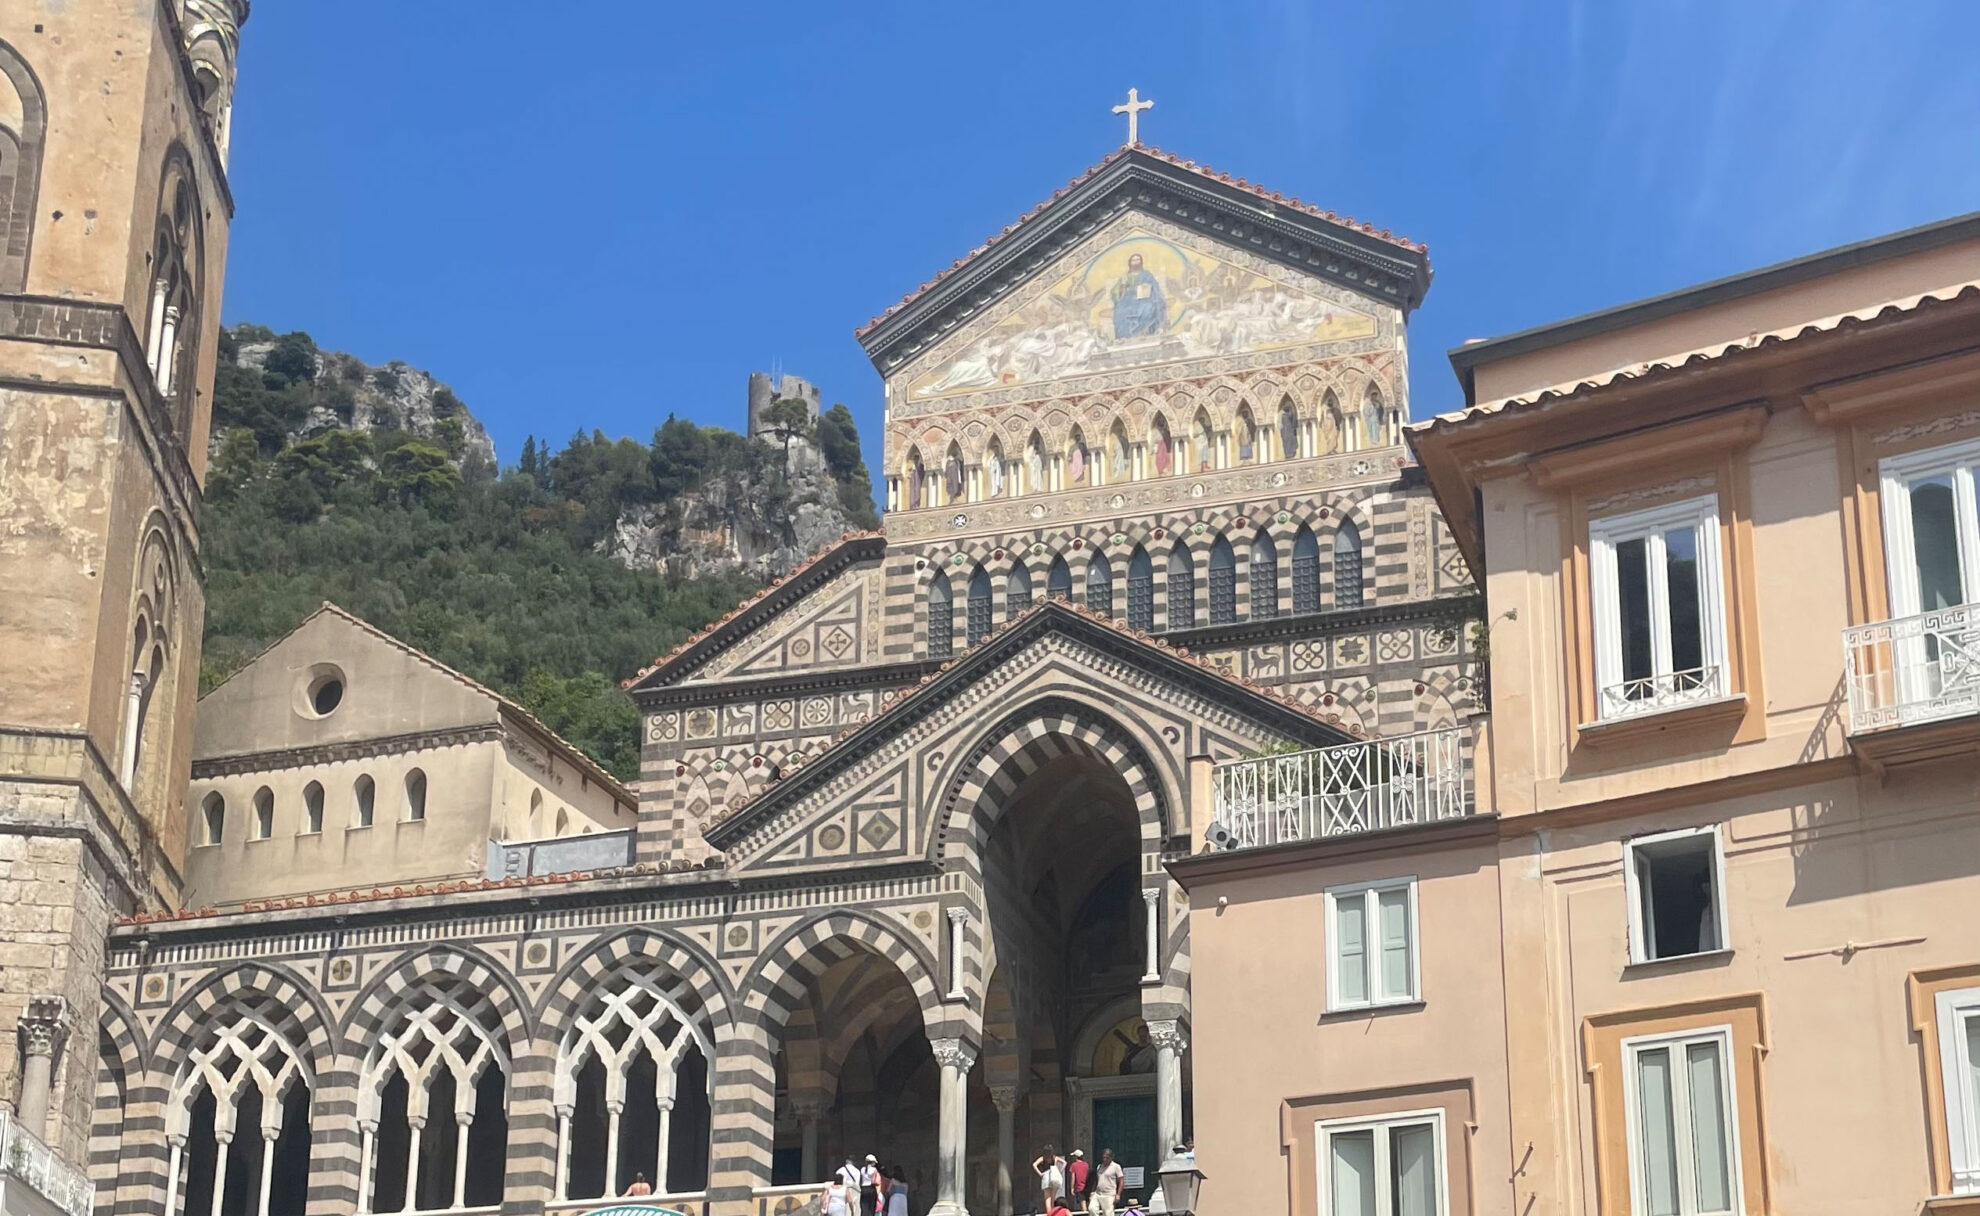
1709 941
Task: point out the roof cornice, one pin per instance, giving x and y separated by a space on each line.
1227 209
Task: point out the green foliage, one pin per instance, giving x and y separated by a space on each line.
838 439
790 416
498 574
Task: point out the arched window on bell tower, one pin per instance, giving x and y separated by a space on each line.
172 316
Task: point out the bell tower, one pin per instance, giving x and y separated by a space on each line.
114 210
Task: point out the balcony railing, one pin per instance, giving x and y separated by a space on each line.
1651 694
26 1161
563 855
1339 791
1914 669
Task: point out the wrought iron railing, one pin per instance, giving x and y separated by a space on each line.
25 1159
1668 691
1337 791
1914 669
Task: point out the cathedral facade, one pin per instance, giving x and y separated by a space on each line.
893 878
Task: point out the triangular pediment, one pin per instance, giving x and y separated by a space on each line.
1242 217
869 797
1142 292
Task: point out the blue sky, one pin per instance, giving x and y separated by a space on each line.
592 214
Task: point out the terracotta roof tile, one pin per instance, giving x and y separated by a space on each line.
1191 166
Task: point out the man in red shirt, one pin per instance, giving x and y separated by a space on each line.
1076 1175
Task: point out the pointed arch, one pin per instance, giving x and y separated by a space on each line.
1120 455
1100 584
955 487
1335 427
981 601
775 986
1223 582
1349 582
1180 597
1244 434
1079 459
1264 572
1289 445
213 817
1374 418
995 474
1305 571
1161 448
1058 579
1140 591
914 475
1203 442
1034 465
20 170
941 617
312 820
1017 590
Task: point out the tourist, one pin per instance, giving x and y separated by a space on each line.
639 1186
837 1198
1107 1179
897 1192
1132 1207
872 1187
1076 1176
1051 1176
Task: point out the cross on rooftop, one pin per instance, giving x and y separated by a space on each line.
1132 108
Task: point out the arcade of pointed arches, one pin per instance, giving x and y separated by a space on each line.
1102 448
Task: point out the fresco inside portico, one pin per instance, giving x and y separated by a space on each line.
1142 299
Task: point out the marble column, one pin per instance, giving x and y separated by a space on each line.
1152 972
268 1137
1005 1099
811 1115
666 1136
1169 1040
954 1057
956 919
42 1026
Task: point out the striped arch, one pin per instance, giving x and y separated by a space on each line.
662 949
776 985
182 1027
400 983
120 1082
975 797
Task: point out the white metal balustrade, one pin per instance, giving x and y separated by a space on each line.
26 1162
1651 694
1914 669
1338 791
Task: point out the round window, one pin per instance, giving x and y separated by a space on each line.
320 691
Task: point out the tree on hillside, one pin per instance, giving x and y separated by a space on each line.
790 417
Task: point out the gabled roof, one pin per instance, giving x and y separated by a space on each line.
782 592
904 707
1311 239
571 752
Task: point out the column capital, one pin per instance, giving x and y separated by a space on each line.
1151 895
1004 1098
804 1108
957 913
464 1117
43 1024
1168 1034
953 1053
271 1133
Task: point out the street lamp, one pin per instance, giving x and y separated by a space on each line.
1181 1181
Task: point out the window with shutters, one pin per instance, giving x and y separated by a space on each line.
1347 565
979 606
1264 578
1223 583
1058 580
1100 585
1306 571
1683 1153
941 618
1017 591
1371 944
1141 591
1182 588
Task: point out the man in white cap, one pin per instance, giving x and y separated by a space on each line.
1076 1175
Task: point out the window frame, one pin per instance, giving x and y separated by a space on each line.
1960 462
1702 514
1951 1009
1721 1036
1370 895
1324 1131
1638 954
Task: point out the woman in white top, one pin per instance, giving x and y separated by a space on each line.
836 1200
1051 1173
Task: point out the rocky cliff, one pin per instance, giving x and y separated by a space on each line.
758 521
